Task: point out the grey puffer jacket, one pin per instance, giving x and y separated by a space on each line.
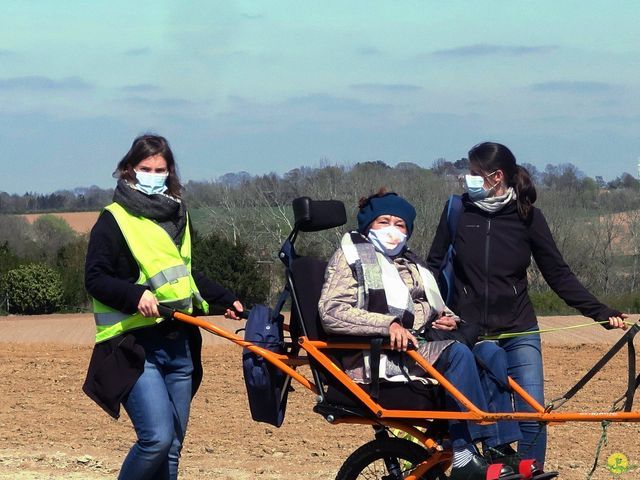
340 314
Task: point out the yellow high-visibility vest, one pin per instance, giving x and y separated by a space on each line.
164 268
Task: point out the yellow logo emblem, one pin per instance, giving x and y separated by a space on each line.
617 463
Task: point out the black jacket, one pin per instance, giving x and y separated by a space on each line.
493 252
110 275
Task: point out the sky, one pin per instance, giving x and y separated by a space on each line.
268 86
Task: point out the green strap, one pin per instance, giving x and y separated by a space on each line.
603 441
544 330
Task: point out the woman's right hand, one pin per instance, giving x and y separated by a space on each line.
619 322
233 313
399 337
148 305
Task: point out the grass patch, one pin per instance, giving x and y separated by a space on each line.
548 303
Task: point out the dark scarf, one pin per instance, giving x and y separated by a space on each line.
168 212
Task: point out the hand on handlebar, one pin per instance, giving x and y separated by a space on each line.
148 305
233 313
399 337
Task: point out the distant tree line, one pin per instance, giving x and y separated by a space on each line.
596 224
77 200
298 180
243 219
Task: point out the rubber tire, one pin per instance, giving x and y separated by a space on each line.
379 449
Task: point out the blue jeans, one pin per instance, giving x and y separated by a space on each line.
524 356
458 365
158 406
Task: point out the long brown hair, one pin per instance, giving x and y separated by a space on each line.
146 146
491 156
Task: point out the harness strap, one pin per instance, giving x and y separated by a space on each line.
632 381
374 358
284 295
446 274
626 339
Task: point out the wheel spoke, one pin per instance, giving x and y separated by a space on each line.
378 470
373 461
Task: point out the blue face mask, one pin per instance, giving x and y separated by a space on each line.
151 183
475 187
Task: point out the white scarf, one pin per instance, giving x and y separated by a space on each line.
379 280
494 204
398 292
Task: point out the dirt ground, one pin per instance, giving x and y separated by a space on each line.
49 430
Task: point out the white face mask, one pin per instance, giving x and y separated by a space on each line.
388 240
151 183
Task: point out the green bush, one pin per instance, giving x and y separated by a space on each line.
70 263
51 233
625 302
32 289
548 303
8 259
231 266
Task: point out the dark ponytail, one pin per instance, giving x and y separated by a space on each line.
492 156
525 190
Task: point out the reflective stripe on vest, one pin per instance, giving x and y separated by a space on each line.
111 317
168 275
164 268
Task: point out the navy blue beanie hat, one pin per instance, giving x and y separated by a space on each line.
388 204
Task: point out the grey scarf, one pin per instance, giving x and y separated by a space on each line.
168 212
493 204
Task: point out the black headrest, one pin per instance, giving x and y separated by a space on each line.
315 215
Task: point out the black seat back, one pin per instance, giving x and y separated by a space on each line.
307 275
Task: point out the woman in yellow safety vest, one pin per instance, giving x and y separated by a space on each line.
139 257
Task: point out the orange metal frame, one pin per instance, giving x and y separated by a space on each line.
405 420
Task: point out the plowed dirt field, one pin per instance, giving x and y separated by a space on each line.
50 430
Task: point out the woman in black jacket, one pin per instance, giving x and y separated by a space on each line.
498 232
139 256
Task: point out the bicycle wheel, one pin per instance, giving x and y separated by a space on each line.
387 459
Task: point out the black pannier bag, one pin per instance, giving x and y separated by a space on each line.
267 386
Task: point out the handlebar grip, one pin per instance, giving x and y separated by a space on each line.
165 312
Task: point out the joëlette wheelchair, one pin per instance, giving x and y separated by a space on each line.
394 407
